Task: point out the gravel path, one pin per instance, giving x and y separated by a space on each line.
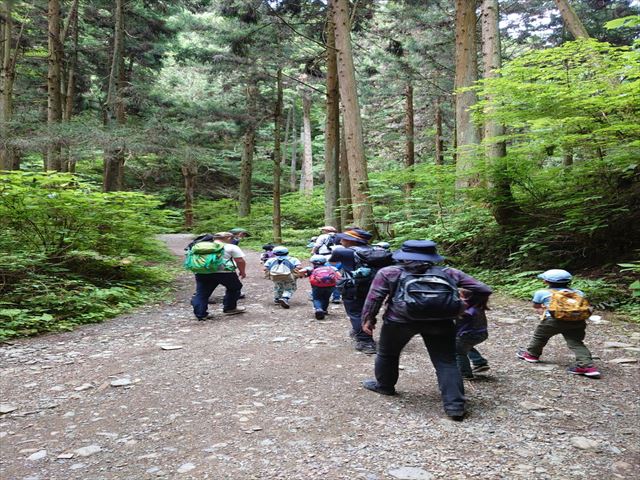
275 394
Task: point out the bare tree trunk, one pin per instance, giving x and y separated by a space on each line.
439 157
294 149
114 111
54 102
467 134
307 160
9 155
189 173
571 19
285 141
67 85
362 208
332 132
505 209
246 167
409 128
277 161
346 214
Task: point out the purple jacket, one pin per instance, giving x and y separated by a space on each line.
384 285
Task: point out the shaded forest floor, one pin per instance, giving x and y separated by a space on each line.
275 394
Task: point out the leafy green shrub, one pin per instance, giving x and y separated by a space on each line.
70 254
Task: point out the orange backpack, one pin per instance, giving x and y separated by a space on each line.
569 306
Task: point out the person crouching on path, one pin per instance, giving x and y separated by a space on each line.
430 314
206 283
563 310
353 298
282 270
323 278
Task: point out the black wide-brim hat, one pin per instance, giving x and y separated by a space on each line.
418 250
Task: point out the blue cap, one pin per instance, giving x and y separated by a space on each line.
556 275
281 250
318 259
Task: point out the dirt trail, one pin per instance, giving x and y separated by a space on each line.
275 394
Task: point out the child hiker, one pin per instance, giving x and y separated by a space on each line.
471 330
268 253
282 270
563 310
323 278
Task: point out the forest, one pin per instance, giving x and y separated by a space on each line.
506 131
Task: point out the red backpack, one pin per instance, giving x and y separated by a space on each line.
324 277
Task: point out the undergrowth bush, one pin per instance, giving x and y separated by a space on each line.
70 254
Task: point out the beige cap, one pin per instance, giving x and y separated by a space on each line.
223 235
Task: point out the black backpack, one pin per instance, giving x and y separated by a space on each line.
430 296
367 263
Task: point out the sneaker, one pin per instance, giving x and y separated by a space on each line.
320 314
588 371
374 387
456 416
480 368
235 311
522 354
366 347
337 301
284 303
276 301
206 317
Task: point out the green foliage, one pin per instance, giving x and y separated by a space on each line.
72 255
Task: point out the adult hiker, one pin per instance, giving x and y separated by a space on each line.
225 261
423 300
238 235
354 243
325 241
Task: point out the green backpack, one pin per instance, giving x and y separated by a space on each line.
205 257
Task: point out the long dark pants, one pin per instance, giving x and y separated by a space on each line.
573 333
440 340
206 283
353 308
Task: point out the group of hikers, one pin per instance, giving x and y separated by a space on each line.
444 305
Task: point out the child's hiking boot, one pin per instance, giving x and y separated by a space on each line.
522 354
235 311
588 371
480 368
320 314
284 302
366 347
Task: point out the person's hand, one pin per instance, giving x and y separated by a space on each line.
368 327
242 275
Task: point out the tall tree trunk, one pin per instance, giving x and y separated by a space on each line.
467 134
54 99
504 206
114 111
277 161
68 85
9 155
189 173
294 149
362 208
439 156
571 19
346 213
285 139
409 129
307 160
246 167
332 132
